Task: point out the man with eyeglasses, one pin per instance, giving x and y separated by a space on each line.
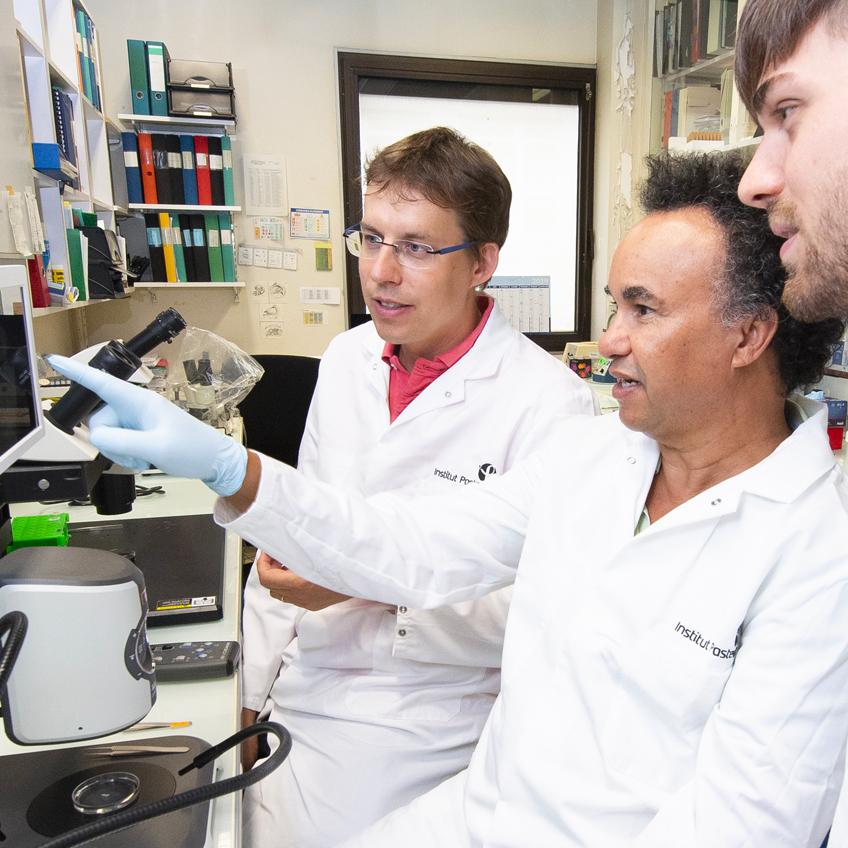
436 394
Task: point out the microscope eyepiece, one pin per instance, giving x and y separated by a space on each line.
120 360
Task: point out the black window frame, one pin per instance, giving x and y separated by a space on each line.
355 67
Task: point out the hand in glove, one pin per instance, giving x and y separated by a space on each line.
139 428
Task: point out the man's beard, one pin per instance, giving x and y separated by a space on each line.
817 286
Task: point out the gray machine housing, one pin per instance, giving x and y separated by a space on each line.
72 597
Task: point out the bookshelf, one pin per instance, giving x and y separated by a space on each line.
62 95
693 89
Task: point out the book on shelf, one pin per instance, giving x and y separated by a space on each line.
179 251
87 57
713 42
63 120
38 285
687 32
78 262
168 247
147 168
727 23
154 246
48 159
213 247
164 193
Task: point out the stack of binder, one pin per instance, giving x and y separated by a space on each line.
88 58
190 248
148 62
179 169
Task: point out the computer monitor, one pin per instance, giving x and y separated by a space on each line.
21 421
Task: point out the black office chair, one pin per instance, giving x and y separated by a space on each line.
274 414
275 411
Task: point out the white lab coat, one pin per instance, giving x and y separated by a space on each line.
623 717
368 689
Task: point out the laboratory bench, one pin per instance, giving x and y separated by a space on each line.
213 706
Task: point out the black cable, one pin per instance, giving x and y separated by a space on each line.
125 818
15 624
140 492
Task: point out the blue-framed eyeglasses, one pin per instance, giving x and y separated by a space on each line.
411 254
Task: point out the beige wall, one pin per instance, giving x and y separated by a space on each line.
284 63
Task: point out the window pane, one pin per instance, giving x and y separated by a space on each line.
536 144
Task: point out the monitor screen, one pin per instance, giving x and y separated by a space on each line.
21 422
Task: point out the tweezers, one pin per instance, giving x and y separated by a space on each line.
136 750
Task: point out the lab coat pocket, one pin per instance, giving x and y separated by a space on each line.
667 690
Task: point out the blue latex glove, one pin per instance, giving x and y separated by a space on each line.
139 429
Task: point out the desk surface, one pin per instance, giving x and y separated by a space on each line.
213 706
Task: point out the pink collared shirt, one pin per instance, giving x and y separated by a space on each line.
405 386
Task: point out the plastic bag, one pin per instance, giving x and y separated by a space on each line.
208 375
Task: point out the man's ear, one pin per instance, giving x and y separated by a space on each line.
486 263
755 335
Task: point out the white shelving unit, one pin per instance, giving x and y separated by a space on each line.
47 43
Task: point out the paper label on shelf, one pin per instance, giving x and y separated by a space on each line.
175 235
226 236
214 238
228 158
216 163
175 160
155 67
188 161
131 158
201 160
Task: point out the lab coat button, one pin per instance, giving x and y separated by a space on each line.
401 609
631 460
716 502
401 632
448 394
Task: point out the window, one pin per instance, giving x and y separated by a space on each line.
538 122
